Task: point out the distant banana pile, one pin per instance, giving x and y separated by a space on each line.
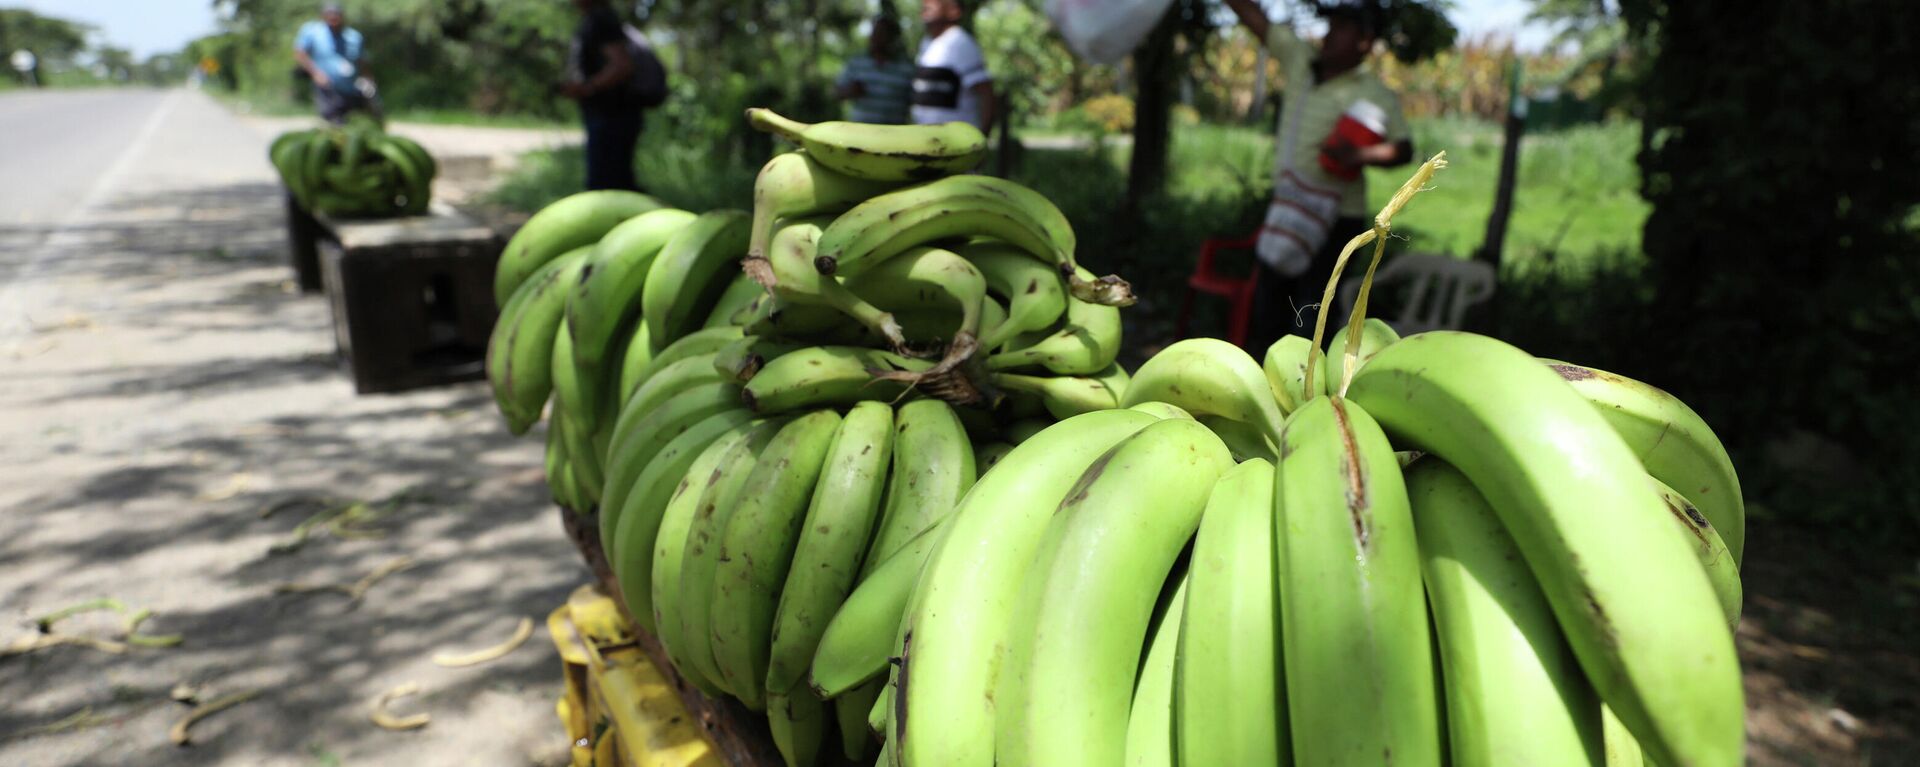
355 171
832 485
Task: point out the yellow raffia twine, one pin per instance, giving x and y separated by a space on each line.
1382 226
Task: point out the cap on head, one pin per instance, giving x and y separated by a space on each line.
330 7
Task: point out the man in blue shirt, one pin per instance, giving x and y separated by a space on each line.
332 54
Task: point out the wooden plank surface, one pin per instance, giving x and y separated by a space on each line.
441 224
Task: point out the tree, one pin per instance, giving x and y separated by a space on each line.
53 41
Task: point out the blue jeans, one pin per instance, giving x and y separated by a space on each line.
611 137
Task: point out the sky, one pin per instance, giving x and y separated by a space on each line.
157 26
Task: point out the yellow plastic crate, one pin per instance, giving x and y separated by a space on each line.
618 709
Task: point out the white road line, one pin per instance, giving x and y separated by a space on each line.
18 323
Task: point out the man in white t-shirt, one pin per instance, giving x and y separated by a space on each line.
950 82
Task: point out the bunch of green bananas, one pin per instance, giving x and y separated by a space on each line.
767 410
355 171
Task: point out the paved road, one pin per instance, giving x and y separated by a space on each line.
161 388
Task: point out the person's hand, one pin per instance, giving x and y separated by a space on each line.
1342 154
319 78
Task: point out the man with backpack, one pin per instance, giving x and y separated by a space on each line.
614 75
333 56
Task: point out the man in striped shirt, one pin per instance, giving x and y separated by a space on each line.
879 84
1331 98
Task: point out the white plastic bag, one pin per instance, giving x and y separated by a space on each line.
1105 31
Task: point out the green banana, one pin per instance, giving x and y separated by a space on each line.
741 360
1229 698
924 277
786 268
1374 336
1087 341
880 152
1622 749
635 358
422 159
851 709
1706 543
1080 621
986 454
774 317
741 292
1152 718
757 548
1208 376
586 459
571 222
935 325
1068 396
1163 410
607 301
932 469
793 184
705 341
555 460
1514 692
957 621
798 723
721 463
638 440
1634 603
827 560
683 282
1358 658
701 558
665 384
826 375
1672 442
1286 369
637 523
1036 295
853 649
1024 429
520 353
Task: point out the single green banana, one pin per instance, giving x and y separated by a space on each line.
1068 396
562 486
314 162
706 341
1208 376
1633 602
880 152
1359 668
1163 410
932 468
986 454
1088 341
587 465
422 158
827 560
957 622
740 294
774 317
606 303
637 441
555 459
637 523
798 723
1622 749
827 375
757 549
701 558
851 709
793 184
702 484
635 358
1080 622
854 648
1229 698
666 384
741 360
1151 720
1036 295
1243 439
924 277
1672 441
415 181
1706 543
1286 369
684 281
1514 693
520 353
1375 335
786 269
571 222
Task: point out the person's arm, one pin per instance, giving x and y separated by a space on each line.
983 93
618 67
1252 17
301 57
1385 155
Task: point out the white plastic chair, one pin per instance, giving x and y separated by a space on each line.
1440 290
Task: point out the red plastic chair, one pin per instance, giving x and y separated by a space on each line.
1207 278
